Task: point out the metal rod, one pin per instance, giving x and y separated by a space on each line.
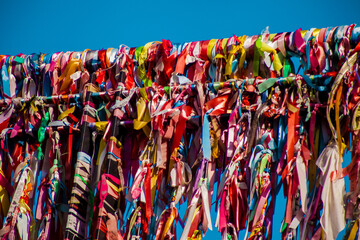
216 85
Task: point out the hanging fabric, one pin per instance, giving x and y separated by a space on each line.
109 144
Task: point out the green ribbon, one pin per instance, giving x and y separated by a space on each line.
138 52
141 68
41 133
283 226
267 84
19 59
288 67
257 54
91 198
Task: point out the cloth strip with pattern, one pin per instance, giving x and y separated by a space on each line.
110 144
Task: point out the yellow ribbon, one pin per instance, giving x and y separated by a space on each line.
276 60
316 32
115 188
92 88
101 149
303 32
33 106
230 58
42 56
66 113
154 178
336 93
82 59
337 119
172 160
101 126
132 221
255 231
354 230
196 235
219 56
116 141
215 150
196 210
4 198
107 58
5 201
144 94
143 116
24 208
169 222
292 108
71 67
224 44
142 60
210 47
271 36
355 122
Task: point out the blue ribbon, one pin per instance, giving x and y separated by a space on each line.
281 136
355 35
206 136
84 157
47 89
5 78
309 82
308 62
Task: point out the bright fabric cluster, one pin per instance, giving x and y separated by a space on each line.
109 144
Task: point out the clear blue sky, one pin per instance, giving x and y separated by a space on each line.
53 26
64 25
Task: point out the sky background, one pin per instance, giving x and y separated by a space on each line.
52 26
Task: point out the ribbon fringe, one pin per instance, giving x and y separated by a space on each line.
109 144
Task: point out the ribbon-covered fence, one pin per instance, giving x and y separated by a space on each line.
109 144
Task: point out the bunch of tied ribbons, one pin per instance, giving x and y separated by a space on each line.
109 144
